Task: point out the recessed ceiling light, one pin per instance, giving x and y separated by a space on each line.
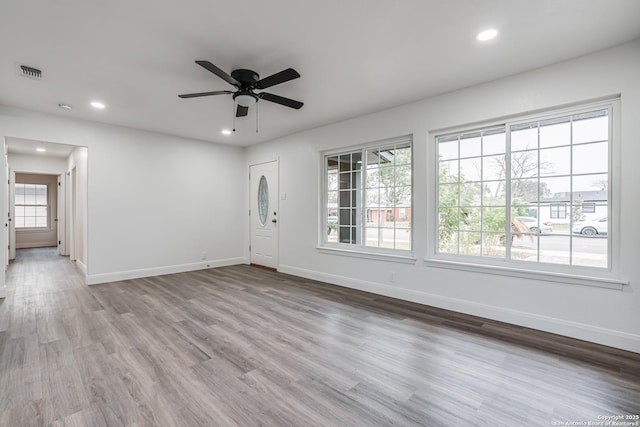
487 35
42 150
65 106
226 132
97 104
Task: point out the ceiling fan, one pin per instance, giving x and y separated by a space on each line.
247 81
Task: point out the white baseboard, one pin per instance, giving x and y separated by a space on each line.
609 337
81 265
36 245
95 279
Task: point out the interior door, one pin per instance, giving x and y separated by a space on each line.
264 214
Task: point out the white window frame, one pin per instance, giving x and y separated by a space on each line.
47 206
609 277
361 250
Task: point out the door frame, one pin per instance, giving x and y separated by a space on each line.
277 200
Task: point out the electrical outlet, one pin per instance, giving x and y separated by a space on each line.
204 255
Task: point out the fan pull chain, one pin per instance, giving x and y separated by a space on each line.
256 105
233 113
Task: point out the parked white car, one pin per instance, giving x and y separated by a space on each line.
592 227
532 223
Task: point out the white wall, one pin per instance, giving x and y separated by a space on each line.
155 202
37 164
78 163
601 315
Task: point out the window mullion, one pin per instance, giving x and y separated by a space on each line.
507 193
363 199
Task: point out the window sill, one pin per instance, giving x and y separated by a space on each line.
378 256
573 279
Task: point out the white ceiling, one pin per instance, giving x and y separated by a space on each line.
355 57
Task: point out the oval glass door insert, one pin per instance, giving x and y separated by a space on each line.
263 200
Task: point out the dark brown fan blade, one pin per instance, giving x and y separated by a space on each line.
277 78
281 100
195 95
241 111
218 72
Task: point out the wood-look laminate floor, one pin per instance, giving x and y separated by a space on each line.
244 346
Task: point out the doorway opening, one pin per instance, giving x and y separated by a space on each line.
46 203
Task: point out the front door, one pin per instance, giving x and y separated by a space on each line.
264 214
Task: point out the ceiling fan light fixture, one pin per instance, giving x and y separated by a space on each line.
245 99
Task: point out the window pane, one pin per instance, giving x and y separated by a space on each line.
448 149
449 171
493 245
387 238
448 241
332 164
345 217
493 167
402 195
524 164
332 181
591 158
555 132
588 186
470 145
494 193
555 249
449 218
524 247
555 161
29 221
448 195
345 234
524 138
345 162
30 194
471 194
373 176
372 236
526 190
470 169
402 156
590 248
494 143
494 219
555 189
19 221
470 243
386 176
345 198
403 175
41 222
470 218
587 128
345 180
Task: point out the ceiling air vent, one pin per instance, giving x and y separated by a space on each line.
30 72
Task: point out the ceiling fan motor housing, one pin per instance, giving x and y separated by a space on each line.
247 78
